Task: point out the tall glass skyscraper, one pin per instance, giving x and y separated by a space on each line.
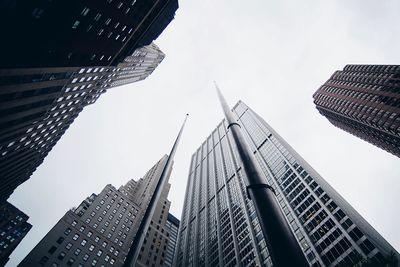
219 226
172 227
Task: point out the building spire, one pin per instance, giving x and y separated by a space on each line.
133 253
282 244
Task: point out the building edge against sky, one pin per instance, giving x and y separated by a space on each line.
38 105
13 228
77 50
219 225
79 33
364 100
101 229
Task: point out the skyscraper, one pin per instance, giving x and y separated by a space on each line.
13 228
78 33
56 58
158 236
100 231
364 100
37 106
172 227
219 225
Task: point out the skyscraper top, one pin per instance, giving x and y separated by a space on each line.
101 229
79 33
364 100
219 225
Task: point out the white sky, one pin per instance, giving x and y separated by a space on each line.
273 55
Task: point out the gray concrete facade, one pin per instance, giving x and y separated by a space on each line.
100 231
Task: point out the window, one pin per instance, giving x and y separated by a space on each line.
85 11
68 246
73 223
37 13
77 251
84 241
70 261
97 17
43 260
60 240
61 256
85 257
89 234
76 236
76 24
52 249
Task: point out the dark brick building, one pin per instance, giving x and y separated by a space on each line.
364 100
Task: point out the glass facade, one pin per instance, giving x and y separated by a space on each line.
219 225
171 228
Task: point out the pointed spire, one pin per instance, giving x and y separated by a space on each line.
133 253
225 107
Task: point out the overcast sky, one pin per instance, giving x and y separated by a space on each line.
273 55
